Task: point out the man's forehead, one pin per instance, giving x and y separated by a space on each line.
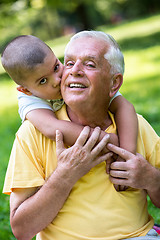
86 47
85 55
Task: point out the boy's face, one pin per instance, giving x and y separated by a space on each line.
44 81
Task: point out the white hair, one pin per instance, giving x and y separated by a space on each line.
113 55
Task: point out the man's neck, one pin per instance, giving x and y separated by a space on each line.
90 118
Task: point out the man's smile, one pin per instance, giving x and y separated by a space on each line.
76 85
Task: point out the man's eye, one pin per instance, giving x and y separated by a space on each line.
90 64
43 81
56 68
69 64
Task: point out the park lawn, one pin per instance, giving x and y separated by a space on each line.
139 41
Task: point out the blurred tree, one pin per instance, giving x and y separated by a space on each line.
80 14
131 8
52 18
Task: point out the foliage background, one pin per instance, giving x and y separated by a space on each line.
134 24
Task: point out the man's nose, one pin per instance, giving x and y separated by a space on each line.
77 69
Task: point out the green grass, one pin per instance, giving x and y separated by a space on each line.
139 41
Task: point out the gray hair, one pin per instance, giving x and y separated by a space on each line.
22 54
114 55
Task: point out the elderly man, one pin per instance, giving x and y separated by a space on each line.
73 198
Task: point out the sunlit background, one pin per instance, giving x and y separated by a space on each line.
134 24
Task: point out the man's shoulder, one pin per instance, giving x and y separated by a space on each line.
143 123
27 129
142 120
145 129
26 124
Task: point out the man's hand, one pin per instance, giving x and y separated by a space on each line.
120 188
135 172
85 154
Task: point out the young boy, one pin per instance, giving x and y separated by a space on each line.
37 71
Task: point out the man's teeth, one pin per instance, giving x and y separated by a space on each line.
76 85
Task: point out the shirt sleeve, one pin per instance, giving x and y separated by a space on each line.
25 168
28 103
151 142
116 95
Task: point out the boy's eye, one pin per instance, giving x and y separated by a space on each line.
56 67
43 81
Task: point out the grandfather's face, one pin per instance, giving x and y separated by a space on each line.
86 77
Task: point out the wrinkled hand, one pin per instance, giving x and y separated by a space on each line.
85 154
120 188
134 172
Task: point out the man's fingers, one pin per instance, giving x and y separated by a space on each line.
103 158
124 154
100 146
119 181
119 166
81 140
59 142
108 164
93 138
119 174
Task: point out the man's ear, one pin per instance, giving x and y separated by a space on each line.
116 83
24 90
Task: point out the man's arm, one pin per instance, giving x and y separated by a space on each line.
34 209
135 172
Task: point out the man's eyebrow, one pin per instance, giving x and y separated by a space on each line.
90 57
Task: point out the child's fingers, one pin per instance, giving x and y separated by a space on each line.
81 140
59 142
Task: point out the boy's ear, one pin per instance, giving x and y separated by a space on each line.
116 83
24 90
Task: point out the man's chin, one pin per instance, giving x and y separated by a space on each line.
75 101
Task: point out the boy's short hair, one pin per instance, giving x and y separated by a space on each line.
22 54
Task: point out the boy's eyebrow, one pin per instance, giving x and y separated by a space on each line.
48 72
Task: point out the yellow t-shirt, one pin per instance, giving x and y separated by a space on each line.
94 210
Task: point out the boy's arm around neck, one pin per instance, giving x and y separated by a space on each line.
47 123
127 123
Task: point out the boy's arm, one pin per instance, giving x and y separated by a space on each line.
47 123
127 123
127 127
40 113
